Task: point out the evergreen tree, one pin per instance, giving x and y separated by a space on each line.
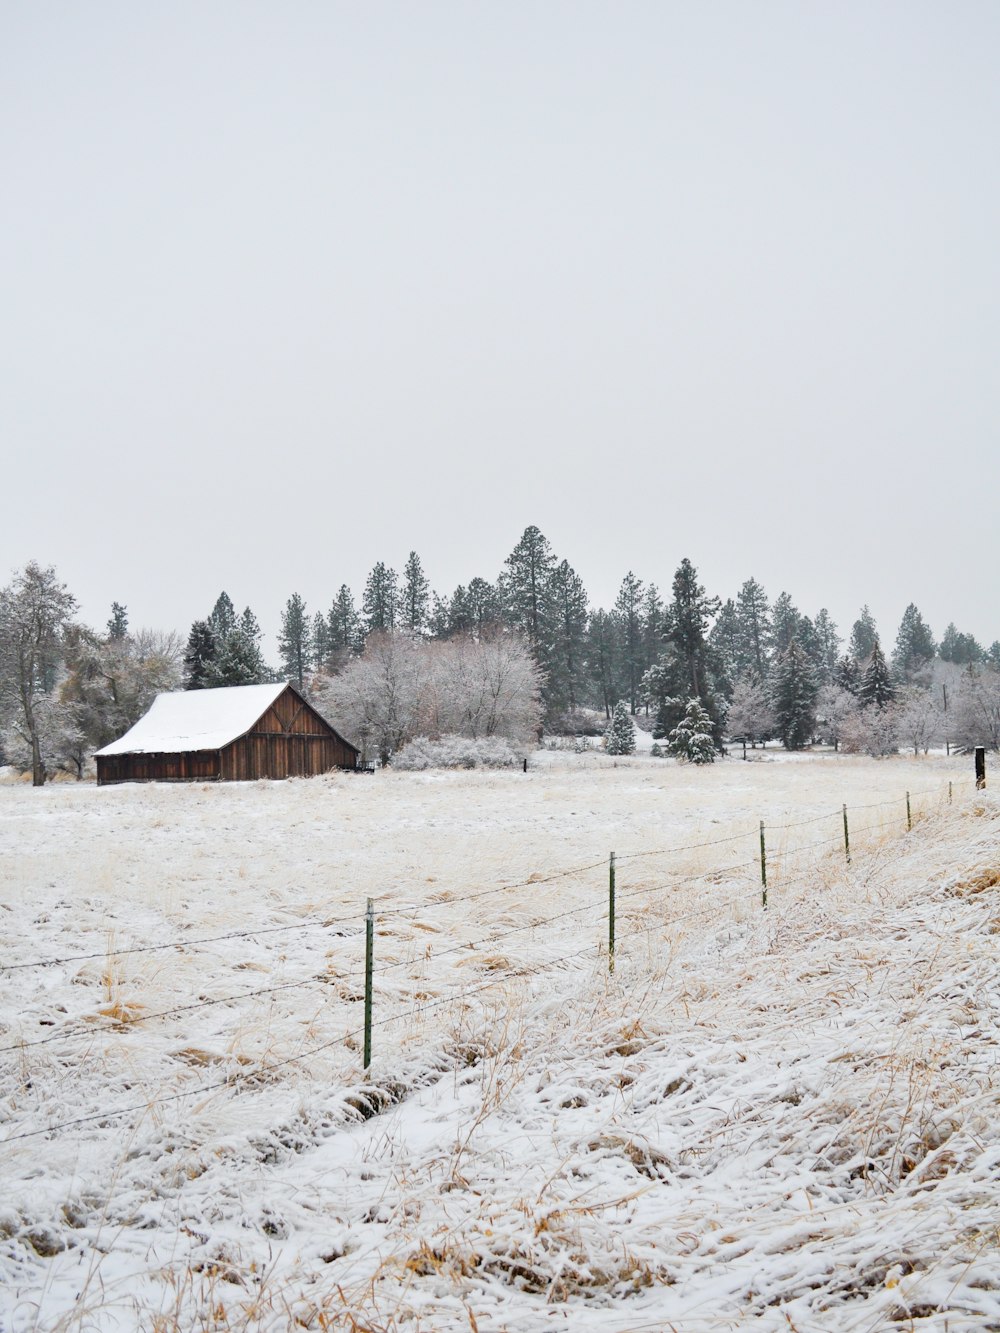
628 621
320 647
525 586
344 623
199 656
993 655
960 648
753 619
569 638
809 642
877 688
118 624
416 595
692 738
724 638
294 640
660 684
829 645
459 614
785 621
652 625
238 658
914 645
864 632
483 604
601 648
620 735
440 617
222 617
847 675
793 696
688 618
380 603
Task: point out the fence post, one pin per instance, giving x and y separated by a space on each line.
763 867
909 816
980 767
847 838
369 967
949 791
611 913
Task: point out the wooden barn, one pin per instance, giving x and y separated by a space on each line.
235 734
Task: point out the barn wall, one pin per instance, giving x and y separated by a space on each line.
192 766
286 755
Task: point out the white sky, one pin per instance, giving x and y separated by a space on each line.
289 289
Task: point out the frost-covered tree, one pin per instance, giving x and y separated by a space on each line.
847 674
35 612
379 698
918 719
692 739
620 735
993 655
915 646
974 713
835 707
864 632
724 640
380 603
793 695
877 688
751 714
689 615
110 683
416 595
295 640
483 686
828 642
872 731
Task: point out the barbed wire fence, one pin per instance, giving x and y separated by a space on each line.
606 950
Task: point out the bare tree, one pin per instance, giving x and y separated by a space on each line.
35 610
751 716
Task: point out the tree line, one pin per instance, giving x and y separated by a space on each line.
759 669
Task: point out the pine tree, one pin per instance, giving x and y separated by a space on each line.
416 595
692 738
628 620
960 648
601 649
877 688
993 655
222 617
294 640
380 603
199 656
864 632
688 619
785 621
724 638
793 696
620 735
483 604
118 624
238 659
320 647
847 674
652 625
914 645
344 623
754 620
829 645
569 637
525 585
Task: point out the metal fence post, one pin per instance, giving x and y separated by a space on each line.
369 968
611 913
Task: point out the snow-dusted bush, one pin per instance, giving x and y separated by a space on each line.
457 752
873 731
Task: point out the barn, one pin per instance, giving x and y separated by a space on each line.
234 734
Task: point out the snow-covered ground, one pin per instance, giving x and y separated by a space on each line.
785 1119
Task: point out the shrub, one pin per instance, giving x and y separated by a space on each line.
457 752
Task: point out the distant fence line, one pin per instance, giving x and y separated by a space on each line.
615 895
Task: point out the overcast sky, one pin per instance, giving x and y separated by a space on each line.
290 289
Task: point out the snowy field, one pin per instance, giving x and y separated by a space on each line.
783 1119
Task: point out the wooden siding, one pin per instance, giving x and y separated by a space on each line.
289 740
191 766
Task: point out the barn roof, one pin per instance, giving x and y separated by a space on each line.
185 720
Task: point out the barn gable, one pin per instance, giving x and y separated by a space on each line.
236 733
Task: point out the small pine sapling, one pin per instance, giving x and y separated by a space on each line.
620 735
692 738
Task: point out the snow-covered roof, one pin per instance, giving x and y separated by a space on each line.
185 720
